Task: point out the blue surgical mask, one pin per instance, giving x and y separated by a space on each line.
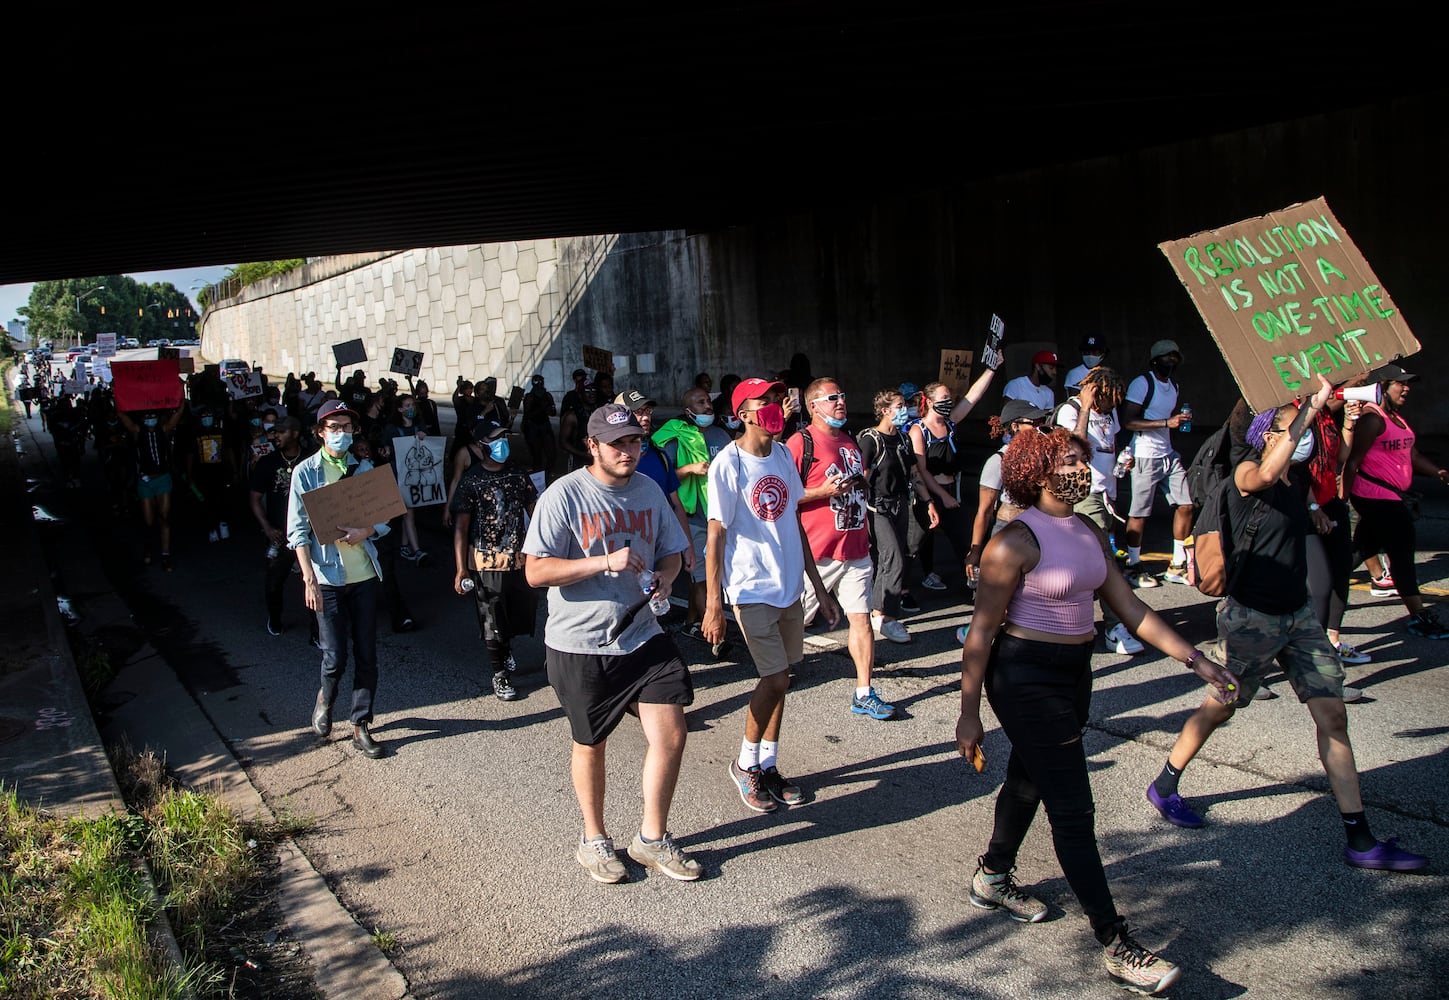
733 423
702 419
256 421
1091 360
901 417
207 421
150 421
408 412
836 422
499 450
1304 449
338 440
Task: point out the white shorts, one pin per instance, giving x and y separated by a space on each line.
849 580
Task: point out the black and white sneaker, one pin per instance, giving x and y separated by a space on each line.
503 686
273 628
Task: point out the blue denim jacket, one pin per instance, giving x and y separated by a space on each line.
326 559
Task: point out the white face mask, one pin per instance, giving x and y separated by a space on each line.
1304 449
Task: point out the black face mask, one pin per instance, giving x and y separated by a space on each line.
1164 369
943 407
1046 377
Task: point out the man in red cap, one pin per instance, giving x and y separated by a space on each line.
1036 388
757 559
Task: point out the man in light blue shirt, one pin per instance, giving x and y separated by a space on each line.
341 578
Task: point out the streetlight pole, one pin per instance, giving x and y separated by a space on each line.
78 300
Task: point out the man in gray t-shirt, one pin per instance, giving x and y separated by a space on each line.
600 537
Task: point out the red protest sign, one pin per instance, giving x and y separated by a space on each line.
147 385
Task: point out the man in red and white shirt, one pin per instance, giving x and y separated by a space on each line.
833 513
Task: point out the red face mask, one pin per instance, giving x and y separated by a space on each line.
771 418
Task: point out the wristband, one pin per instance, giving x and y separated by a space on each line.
1195 654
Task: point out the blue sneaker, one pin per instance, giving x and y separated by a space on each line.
1385 856
871 705
1173 809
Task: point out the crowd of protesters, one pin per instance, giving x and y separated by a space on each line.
771 510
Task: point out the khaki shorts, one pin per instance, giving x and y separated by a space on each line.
774 636
1150 475
1251 642
849 580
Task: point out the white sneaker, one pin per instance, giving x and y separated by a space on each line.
223 530
933 582
1351 695
211 536
1121 641
893 630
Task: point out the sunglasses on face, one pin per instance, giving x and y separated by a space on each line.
834 397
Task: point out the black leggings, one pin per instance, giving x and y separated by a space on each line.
1041 693
1385 526
1330 564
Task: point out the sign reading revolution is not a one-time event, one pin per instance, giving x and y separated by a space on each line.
1287 297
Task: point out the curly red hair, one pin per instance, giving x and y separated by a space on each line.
1032 456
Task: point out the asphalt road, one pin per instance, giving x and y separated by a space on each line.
460 842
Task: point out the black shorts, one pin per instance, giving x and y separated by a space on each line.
595 691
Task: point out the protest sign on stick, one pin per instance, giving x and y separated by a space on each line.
146 385
956 372
406 362
1287 296
350 352
358 501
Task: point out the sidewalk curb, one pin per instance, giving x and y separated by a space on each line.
161 715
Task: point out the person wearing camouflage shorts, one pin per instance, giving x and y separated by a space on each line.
1266 618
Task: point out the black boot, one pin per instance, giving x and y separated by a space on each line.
363 741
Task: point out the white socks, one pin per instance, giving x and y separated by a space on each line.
749 755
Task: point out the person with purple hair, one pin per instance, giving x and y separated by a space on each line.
1266 618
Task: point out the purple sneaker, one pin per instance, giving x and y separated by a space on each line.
1174 810
1385 856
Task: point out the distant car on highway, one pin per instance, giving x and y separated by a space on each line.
234 366
131 342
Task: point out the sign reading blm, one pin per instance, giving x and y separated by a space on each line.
1288 297
420 470
406 362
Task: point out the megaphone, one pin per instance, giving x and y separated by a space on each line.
1362 393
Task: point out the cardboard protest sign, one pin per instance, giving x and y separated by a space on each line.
106 345
1288 296
422 475
243 385
956 372
597 359
406 362
358 501
102 369
146 385
351 352
74 387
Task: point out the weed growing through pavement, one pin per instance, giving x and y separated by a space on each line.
386 941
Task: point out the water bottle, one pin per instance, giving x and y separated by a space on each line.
467 585
1186 425
1119 468
658 598
274 550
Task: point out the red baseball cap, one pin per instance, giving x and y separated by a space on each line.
1044 358
752 388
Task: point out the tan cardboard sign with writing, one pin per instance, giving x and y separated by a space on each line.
956 371
358 501
1288 296
597 359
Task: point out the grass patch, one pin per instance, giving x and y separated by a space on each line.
77 914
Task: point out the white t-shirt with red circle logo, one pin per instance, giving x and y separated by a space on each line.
755 499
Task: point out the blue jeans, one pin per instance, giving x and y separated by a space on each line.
1041 692
349 615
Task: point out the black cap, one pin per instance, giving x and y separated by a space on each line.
1391 373
1094 342
1020 409
611 422
488 429
634 400
335 406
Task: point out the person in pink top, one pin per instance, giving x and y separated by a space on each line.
833 513
1380 468
1030 645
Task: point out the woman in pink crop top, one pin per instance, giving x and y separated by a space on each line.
1382 460
1030 646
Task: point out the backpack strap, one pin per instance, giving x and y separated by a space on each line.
807 452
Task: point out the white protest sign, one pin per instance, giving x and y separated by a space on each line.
421 475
